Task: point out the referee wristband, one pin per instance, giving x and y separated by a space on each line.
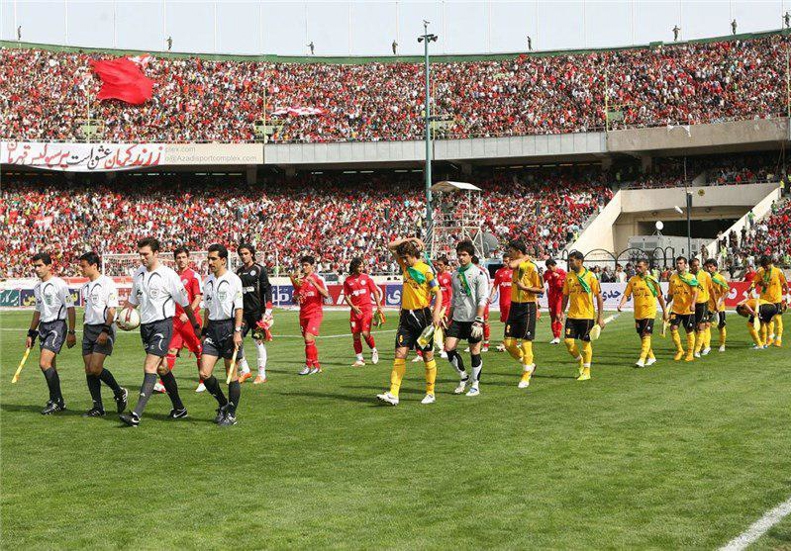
32 333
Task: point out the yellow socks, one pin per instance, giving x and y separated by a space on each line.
513 349
707 337
431 375
571 346
677 340
778 328
754 334
399 368
587 354
764 333
699 338
645 347
527 353
723 335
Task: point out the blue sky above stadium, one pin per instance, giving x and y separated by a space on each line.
369 28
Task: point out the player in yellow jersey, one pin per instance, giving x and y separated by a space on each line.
772 285
751 307
580 291
683 295
521 323
720 289
416 316
702 310
646 292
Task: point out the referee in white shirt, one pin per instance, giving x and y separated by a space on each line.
222 295
53 305
156 288
100 298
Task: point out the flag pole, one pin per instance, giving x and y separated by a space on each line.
788 86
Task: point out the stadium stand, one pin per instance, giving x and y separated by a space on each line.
200 100
769 236
336 217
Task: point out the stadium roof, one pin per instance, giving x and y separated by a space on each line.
351 60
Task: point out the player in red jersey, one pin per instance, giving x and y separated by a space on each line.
554 278
310 292
487 328
502 284
357 291
183 334
445 280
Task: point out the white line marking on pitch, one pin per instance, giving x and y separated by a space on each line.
759 527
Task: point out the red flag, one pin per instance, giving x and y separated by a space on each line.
123 80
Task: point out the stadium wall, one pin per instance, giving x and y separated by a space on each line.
620 219
677 137
698 139
761 209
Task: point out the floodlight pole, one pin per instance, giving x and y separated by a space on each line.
425 38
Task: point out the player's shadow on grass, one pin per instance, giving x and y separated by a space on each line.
31 408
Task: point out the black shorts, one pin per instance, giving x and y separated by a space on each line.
579 329
765 313
461 330
218 340
644 326
156 336
687 321
89 345
411 324
52 335
779 308
521 323
250 320
701 313
721 319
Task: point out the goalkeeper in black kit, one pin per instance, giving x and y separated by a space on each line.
257 297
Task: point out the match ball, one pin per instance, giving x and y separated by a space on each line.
128 319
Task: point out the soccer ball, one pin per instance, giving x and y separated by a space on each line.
128 319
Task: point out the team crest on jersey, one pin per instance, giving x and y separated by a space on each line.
252 273
222 295
185 282
95 297
154 292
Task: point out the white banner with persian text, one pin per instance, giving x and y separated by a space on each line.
101 157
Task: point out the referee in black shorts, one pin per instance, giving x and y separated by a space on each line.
222 336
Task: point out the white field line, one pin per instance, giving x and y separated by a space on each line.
759 527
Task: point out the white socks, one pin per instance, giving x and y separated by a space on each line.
262 357
242 365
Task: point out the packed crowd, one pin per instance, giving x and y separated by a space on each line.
218 101
333 217
767 236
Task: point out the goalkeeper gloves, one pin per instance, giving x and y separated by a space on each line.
477 328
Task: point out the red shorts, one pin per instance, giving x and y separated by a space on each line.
311 324
504 310
361 323
184 337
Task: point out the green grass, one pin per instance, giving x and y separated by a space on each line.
676 455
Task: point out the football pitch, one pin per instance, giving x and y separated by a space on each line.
676 455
